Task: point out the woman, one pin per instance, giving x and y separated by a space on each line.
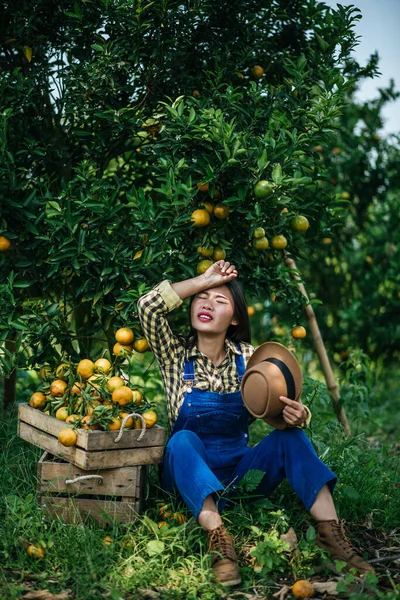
208 448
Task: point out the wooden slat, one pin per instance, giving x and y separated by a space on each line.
109 459
72 510
88 439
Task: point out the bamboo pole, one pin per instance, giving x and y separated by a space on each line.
321 351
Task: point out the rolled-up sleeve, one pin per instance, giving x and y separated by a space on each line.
152 310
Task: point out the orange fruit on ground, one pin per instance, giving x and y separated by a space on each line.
259 232
121 349
219 254
76 389
35 551
67 437
165 511
203 187
44 372
221 211
162 524
102 365
38 400
196 94
209 206
122 395
200 217
114 382
107 541
58 388
299 332
129 422
141 345
125 336
62 413
115 424
150 416
251 311
256 72
179 518
279 242
86 423
206 252
260 244
302 589
4 243
72 419
262 189
85 368
61 371
203 266
299 224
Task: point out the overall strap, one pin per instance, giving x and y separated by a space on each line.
240 366
188 374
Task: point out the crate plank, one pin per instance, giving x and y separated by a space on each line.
72 510
88 439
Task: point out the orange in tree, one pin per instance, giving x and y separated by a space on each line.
67 437
62 413
203 187
114 382
44 372
299 332
261 243
279 242
206 252
125 336
327 240
102 365
122 395
302 589
251 311
284 212
299 224
4 243
62 370
219 254
141 345
221 211
121 349
345 195
115 424
259 232
58 388
256 72
38 400
200 217
85 368
196 94
35 551
128 422
209 206
203 266
262 189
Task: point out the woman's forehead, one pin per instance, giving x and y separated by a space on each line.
220 291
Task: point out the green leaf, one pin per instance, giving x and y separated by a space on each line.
251 480
97 47
155 547
277 173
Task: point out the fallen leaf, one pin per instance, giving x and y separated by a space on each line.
326 587
283 592
46 595
291 538
148 594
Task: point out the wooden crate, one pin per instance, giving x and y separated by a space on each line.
94 449
114 494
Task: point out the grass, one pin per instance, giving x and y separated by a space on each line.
144 561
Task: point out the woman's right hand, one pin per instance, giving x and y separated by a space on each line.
219 273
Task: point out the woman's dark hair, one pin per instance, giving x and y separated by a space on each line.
240 332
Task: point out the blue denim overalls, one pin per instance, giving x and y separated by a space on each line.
208 449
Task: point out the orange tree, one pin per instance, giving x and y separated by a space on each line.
118 119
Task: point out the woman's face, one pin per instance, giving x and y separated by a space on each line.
212 310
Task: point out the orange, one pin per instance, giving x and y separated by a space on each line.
125 336
318 148
44 372
203 187
299 224
336 150
102 365
219 254
259 232
207 252
262 189
73 419
85 368
58 388
38 400
122 395
129 422
150 416
87 423
76 389
121 349
115 424
256 72
327 240
216 193
107 541
94 382
4 243
137 397
35 551
141 345
196 94
162 524
209 206
165 511
179 518
200 217
62 413
114 382
92 406
203 266
284 212
67 437
261 243
61 371
302 589
299 332
345 195
221 211
279 242
251 311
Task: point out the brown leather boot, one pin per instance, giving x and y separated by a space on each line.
224 560
332 538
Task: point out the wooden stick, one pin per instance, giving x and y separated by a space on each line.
321 351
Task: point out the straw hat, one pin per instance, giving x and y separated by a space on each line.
272 371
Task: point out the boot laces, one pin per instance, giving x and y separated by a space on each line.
220 541
339 534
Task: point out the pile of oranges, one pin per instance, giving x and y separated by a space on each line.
90 396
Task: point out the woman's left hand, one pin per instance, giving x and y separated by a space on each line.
294 412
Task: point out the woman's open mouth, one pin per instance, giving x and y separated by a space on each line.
204 317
